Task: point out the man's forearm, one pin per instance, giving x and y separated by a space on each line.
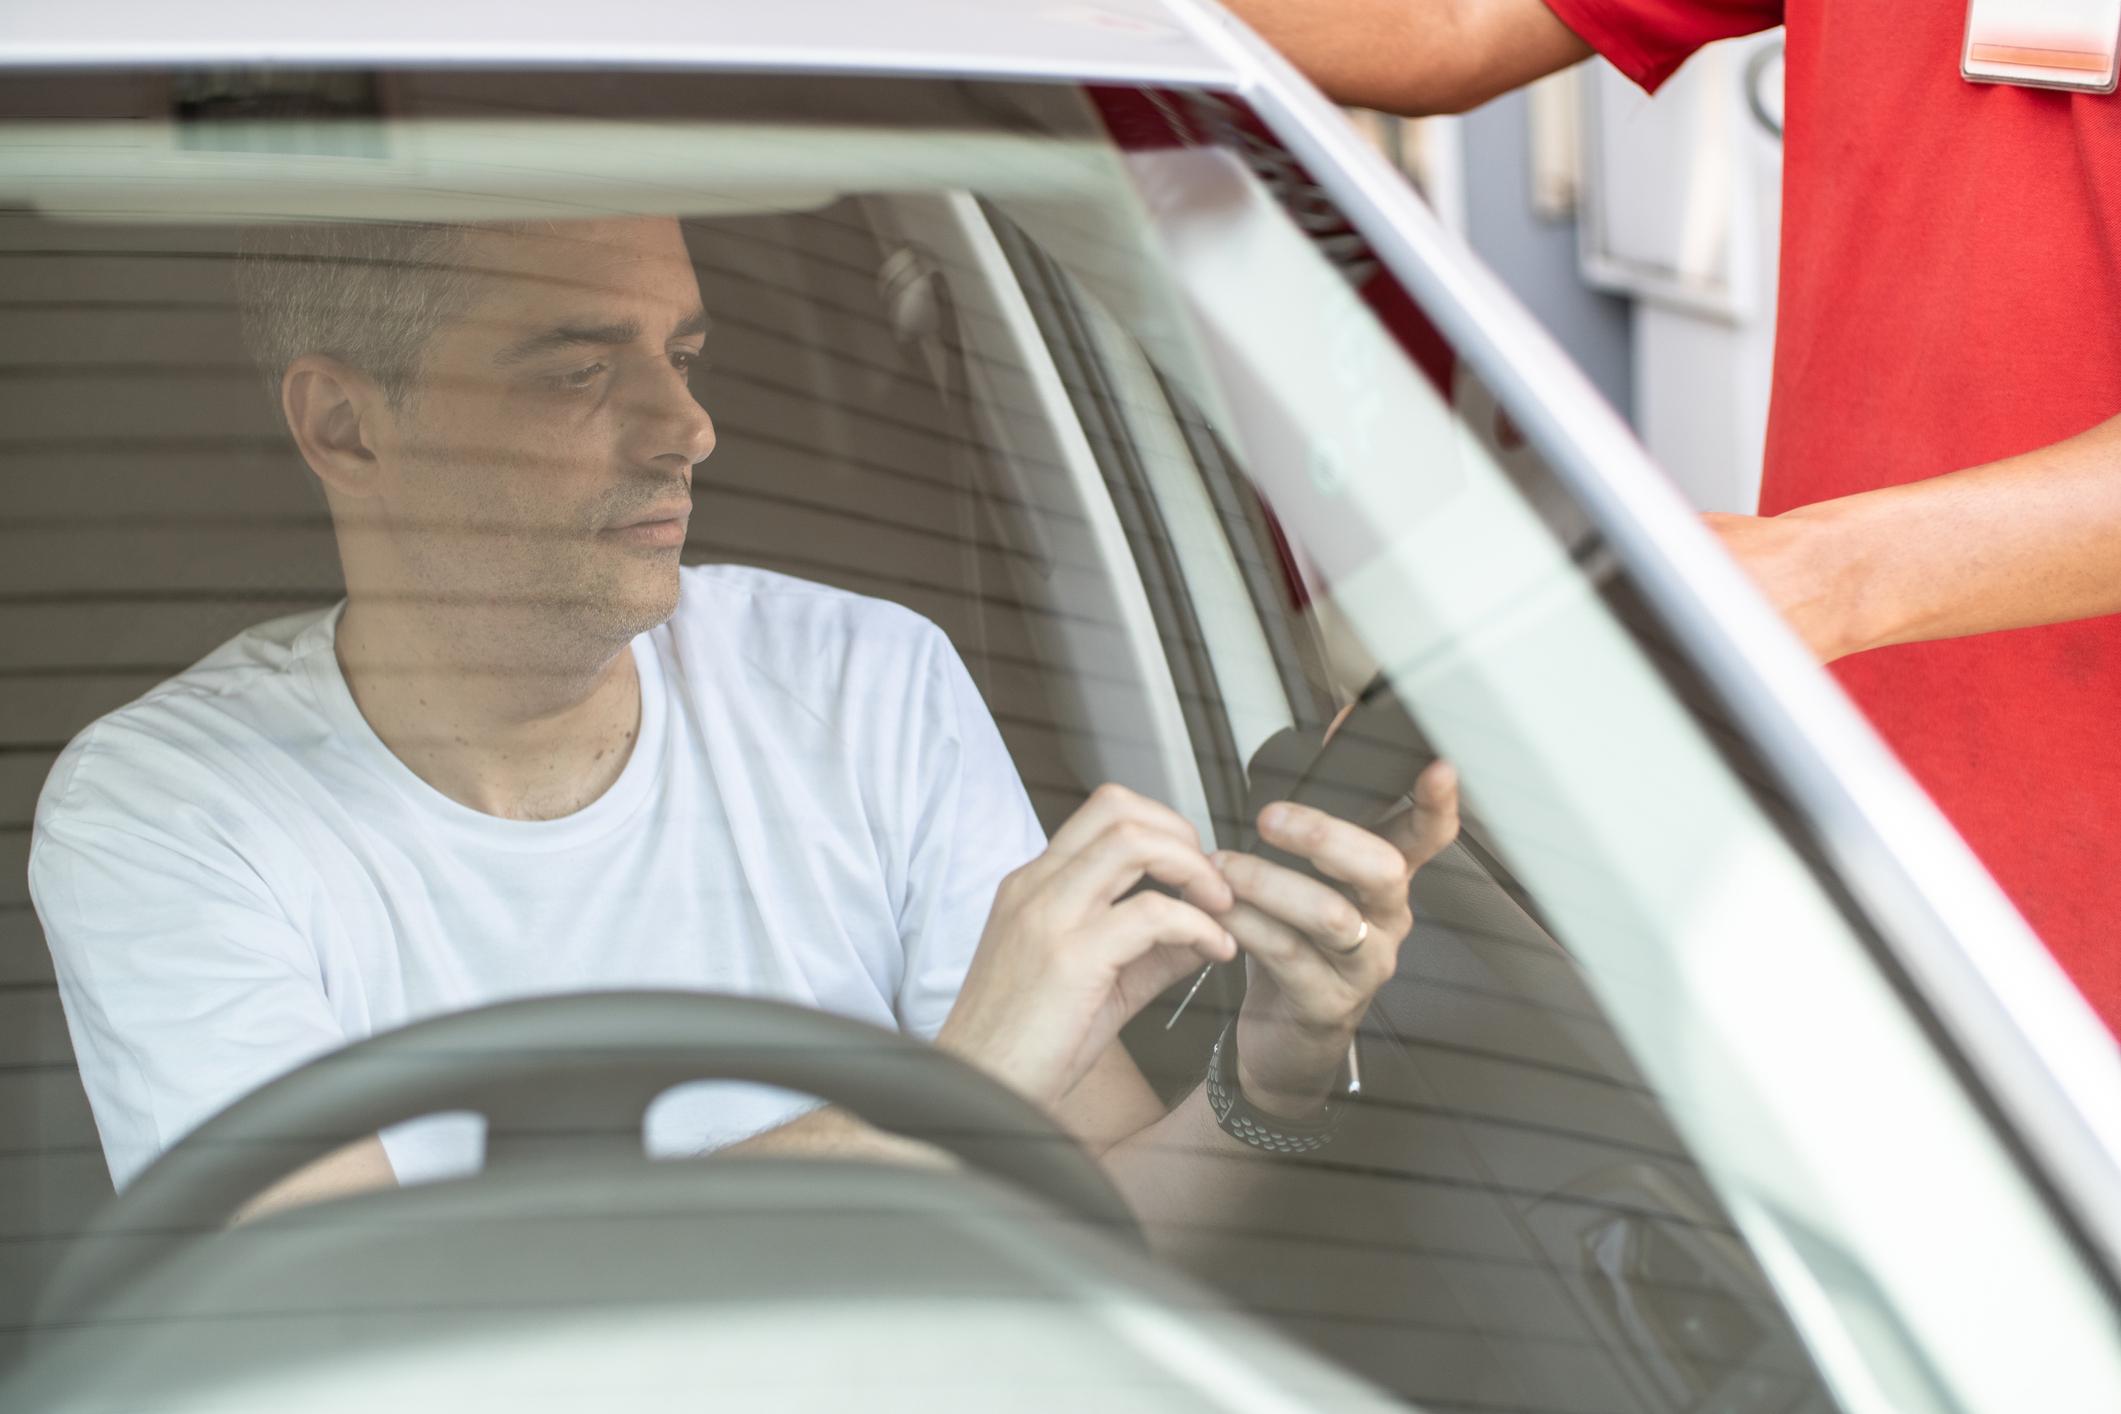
834 1133
360 1167
1415 56
1182 1175
1186 1179
2033 539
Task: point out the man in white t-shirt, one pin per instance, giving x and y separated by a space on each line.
529 754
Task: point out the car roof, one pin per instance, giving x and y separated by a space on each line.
1168 41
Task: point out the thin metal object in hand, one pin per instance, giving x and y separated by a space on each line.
1180 1009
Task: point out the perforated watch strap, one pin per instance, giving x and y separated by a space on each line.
1242 1122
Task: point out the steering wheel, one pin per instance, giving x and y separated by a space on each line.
561 1078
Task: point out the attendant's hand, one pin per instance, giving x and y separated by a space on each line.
1316 958
1799 563
1066 960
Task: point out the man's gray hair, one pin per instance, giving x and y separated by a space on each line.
368 293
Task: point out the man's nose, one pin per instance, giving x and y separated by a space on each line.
670 425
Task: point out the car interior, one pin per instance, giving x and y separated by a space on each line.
908 388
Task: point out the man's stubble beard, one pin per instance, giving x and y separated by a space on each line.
543 603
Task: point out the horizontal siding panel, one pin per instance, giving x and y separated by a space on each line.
897 448
50 1194
22 776
1542 1162
1501 961
1507 1029
208 401
167 635
1364 1210
1437 1293
33 1029
1480 1085
80 479
120 337
42 1109
14 870
156 561
154 278
26 1264
800 476
55 708
24 959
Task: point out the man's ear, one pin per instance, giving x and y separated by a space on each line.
335 413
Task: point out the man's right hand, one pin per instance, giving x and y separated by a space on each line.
1067 958
1416 56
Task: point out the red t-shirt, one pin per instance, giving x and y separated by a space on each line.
1951 294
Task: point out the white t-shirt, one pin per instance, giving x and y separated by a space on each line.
236 875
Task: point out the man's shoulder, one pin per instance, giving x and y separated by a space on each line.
843 660
767 616
175 738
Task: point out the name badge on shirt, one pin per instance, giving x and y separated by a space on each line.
2042 43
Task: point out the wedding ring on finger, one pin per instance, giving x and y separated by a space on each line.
1362 935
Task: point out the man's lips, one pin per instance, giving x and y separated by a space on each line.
663 528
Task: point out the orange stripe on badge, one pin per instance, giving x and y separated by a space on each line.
2075 59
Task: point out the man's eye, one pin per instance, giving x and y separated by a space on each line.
579 377
686 361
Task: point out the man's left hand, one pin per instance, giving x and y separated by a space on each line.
1317 956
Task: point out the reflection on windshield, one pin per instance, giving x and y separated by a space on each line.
858 602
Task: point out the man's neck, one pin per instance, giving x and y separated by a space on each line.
497 732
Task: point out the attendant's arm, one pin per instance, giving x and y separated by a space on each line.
1416 56
2033 539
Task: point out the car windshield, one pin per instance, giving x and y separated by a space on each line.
471 538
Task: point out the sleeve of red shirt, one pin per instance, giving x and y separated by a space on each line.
1648 39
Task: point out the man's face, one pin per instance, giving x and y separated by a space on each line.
540 473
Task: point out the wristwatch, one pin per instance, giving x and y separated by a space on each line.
1242 1122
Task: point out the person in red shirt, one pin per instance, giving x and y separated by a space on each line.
1941 500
